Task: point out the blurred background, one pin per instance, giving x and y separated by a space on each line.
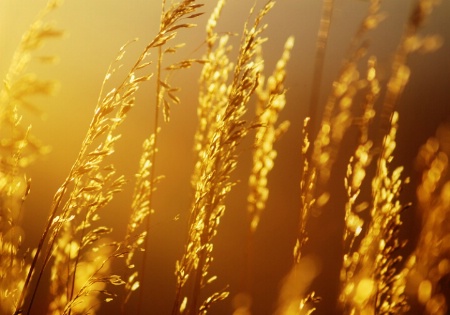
95 30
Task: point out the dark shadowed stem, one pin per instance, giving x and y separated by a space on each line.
55 207
322 40
176 304
152 170
48 254
152 174
71 285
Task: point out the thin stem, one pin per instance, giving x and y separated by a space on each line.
205 236
193 310
72 289
152 170
197 282
322 40
58 226
176 304
55 207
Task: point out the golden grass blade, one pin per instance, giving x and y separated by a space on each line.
216 162
369 273
271 101
337 115
359 162
307 186
319 158
141 209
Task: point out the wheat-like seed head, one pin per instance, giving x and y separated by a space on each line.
93 183
217 141
369 273
171 22
359 162
271 101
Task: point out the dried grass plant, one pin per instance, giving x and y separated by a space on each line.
86 267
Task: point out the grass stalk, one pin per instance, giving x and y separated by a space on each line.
319 61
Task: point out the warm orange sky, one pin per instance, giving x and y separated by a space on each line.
94 32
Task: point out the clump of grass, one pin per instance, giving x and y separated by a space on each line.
18 149
142 205
372 281
218 139
76 246
89 187
369 273
319 158
271 101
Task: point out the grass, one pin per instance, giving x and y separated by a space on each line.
349 186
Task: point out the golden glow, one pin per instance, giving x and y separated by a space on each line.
242 188
424 291
364 290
